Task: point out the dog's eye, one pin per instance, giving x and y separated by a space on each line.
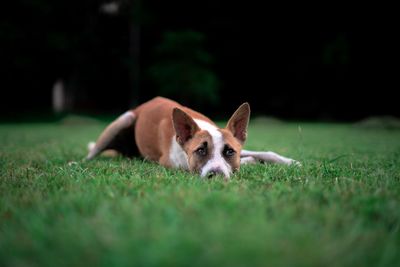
202 151
228 152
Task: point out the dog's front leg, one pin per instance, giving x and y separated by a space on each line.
248 160
247 156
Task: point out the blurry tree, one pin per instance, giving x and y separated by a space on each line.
182 68
336 52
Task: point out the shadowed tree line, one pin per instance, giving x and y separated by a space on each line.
301 64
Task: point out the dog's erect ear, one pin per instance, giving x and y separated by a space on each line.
185 126
239 121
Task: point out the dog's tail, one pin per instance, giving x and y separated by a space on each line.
124 121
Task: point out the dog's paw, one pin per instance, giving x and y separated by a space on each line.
295 163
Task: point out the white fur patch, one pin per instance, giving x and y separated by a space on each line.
216 161
177 156
91 145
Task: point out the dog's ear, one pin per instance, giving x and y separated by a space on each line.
185 127
239 121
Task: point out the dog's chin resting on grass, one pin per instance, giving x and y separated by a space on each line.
176 136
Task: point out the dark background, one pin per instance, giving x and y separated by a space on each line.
318 62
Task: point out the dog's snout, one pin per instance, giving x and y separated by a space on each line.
214 172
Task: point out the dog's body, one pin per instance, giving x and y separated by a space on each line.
177 137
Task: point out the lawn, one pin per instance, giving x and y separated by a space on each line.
341 208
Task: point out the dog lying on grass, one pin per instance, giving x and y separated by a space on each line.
175 136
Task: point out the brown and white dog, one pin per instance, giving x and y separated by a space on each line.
175 136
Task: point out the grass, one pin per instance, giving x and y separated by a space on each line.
342 208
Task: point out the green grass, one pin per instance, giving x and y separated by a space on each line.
341 208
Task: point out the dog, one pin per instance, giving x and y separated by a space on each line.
176 136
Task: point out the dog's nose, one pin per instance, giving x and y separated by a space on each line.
214 172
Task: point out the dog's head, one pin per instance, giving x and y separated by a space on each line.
212 150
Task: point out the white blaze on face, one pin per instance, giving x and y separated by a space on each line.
216 160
